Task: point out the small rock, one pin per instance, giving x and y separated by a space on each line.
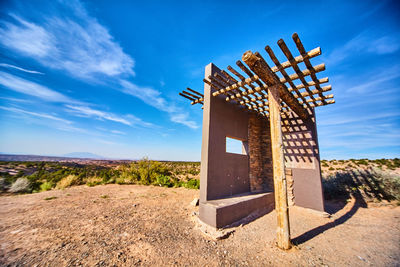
361 258
195 202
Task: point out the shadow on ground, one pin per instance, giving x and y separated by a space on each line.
362 186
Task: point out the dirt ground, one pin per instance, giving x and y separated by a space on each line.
126 225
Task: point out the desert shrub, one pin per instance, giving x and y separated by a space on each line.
46 186
324 164
93 181
3 184
192 183
163 180
149 170
68 181
362 162
331 169
21 185
372 185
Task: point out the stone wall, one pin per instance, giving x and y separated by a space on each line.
260 154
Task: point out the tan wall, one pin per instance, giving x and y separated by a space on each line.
222 174
302 158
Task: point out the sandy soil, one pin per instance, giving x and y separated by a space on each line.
126 225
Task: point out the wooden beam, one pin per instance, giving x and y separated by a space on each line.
185 96
312 53
296 68
284 73
193 91
307 62
306 72
278 164
261 68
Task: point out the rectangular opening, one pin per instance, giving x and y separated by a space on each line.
236 146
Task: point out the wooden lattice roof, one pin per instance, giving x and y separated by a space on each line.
249 89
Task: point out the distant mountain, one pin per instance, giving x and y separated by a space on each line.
83 155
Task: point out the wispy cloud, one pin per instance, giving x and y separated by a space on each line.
5 65
377 79
102 115
76 43
36 114
106 142
31 88
335 120
27 38
183 119
118 132
366 42
153 98
15 99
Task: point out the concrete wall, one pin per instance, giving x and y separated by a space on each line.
222 174
302 158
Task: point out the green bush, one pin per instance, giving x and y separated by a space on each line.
163 180
68 181
192 183
46 186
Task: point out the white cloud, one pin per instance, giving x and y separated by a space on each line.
5 65
365 42
35 114
31 88
376 80
182 118
118 132
153 98
101 115
76 43
148 95
27 38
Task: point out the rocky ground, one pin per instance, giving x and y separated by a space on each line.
126 225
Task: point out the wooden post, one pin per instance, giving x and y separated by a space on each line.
278 163
275 91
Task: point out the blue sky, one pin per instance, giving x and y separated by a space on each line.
102 77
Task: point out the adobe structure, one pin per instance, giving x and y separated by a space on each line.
271 112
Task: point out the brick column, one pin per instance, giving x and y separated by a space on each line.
260 155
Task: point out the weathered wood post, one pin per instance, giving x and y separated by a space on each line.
278 163
261 68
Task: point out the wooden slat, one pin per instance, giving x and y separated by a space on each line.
247 71
307 62
296 68
306 72
240 76
284 73
191 95
193 91
185 96
261 68
312 53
